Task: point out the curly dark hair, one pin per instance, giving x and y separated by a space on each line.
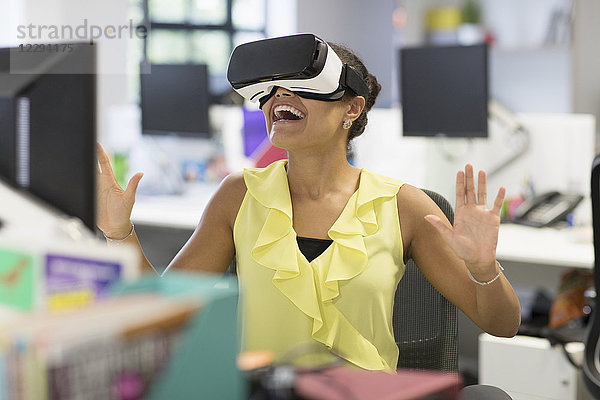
349 57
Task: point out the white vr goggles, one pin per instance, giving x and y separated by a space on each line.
303 64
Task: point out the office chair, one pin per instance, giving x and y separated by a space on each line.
591 358
424 322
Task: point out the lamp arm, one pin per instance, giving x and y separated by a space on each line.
507 118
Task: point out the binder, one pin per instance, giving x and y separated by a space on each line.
203 366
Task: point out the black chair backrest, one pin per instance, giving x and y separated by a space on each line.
424 322
591 357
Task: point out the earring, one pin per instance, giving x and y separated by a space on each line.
347 124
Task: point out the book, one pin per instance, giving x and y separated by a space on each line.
111 349
58 274
17 283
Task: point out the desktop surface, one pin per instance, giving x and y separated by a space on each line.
549 246
182 211
570 247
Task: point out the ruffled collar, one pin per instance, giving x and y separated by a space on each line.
270 187
313 286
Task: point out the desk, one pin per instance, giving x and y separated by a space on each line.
554 378
568 247
174 211
164 223
533 258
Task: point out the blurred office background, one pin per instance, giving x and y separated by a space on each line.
543 66
543 52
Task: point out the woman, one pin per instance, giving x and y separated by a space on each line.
321 245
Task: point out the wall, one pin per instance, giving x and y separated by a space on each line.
365 27
13 14
532 80
281 17
559 156
586 60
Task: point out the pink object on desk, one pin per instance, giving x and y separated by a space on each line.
344 383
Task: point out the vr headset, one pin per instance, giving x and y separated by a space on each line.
303 64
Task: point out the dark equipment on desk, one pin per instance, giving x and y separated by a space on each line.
175 100
444 91
546 209
563 318
303 64
48 125
591 356
534 321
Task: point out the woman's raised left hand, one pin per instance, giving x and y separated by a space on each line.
474 235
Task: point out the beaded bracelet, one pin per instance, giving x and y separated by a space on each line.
488 282
120 240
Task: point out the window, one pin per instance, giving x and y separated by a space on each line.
200 31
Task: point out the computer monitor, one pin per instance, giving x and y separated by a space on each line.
175 99
48 126
444 91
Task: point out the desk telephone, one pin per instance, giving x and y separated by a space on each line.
546 208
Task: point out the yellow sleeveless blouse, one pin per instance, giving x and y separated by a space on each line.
344 298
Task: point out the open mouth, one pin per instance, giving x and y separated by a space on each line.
286 112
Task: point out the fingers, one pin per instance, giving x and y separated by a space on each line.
481 189
499 200
107 176
460 189
437 223
470 185
133 185
103 160
465 187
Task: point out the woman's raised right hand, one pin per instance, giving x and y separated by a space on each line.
113 204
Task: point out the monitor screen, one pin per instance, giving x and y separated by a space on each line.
48 126
175 99
444 91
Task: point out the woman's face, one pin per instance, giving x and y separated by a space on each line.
297 123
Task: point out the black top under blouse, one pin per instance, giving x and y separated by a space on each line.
312 247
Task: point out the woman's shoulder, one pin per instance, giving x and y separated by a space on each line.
383 179
414 202
413 205
230 194
233 186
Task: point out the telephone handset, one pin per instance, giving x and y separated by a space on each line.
546 208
